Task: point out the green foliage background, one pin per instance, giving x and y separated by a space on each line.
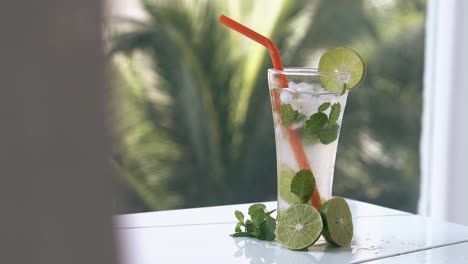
191 109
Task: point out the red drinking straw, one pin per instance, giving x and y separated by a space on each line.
293 136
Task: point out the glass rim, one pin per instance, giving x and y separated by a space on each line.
302 71
307 72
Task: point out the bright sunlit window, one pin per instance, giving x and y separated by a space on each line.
191 107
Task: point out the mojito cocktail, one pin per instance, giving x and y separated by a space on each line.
308 106
314 115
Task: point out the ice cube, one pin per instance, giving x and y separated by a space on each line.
285 96
305 98
304 88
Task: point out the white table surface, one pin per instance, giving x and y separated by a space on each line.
201 235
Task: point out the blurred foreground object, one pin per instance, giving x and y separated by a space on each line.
54 182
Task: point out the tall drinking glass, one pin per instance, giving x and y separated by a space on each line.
307 120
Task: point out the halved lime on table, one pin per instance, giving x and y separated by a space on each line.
341 60
299 227
337 222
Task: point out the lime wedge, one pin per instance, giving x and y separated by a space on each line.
299 227
337 222
343 60
284 186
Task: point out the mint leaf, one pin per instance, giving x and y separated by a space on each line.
329 134
238 228
335 113
255 207
257 213
316 122
308 137
249 226
240 216
252 228
303 185
258 216
324 106
267 229
288 115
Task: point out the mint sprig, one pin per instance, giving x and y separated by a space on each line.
261 225
335 112
324 127
317 122
323 107
329 133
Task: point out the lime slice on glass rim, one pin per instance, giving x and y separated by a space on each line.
299 227
343 60
337 222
